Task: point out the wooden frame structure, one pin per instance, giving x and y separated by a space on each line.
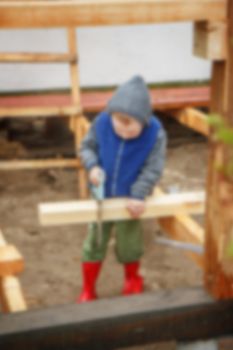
46 13
212 32
213 40
72 111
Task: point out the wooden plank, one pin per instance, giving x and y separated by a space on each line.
74 76
81 127
11 261
185 229
181 315
210 40
95 101
12 295
2 239
30 112
49 13
74 212
199 345
193 119
219 219
26 57
39 164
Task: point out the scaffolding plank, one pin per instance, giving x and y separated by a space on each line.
50 13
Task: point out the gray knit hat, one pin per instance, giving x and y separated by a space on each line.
132 98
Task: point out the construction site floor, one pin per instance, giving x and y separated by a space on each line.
52 255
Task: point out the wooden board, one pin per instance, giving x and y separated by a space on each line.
28 112
25 57
210 40
11 261
39 164
95 101
50 13
185 229
193 119
182 315
2 240
75 212
11 295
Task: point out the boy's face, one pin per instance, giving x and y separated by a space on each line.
125 126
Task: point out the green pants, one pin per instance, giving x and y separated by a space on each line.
129 241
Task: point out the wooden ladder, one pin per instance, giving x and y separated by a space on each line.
77 121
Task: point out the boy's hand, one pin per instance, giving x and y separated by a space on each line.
95 175
135 207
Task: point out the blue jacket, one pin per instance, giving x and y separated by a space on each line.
123 160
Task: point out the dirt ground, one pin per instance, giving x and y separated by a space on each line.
52 273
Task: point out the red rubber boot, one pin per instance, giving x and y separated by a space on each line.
133 281
90 272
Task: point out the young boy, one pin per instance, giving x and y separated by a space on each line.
128 143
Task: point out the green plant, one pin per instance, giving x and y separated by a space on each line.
223 133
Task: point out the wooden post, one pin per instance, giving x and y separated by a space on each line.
219 216
210 40
75 124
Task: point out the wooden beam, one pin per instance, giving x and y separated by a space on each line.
26 57
39 164
181 315
29 112
75 212
210 40
2 239
193 119
219 218
50 13
183 228
11 261
12 295
94 101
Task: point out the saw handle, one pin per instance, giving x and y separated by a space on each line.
98 190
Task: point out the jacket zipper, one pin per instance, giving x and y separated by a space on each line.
117 167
